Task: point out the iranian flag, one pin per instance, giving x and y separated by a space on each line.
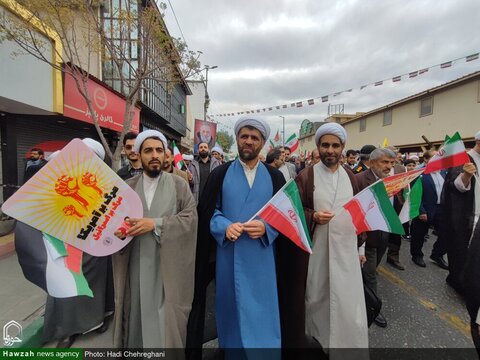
64 276
371 209
413 200
177 157
285 213
292 143
451 154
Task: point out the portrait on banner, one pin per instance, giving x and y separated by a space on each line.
205 131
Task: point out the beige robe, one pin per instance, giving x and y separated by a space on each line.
335 303
164 263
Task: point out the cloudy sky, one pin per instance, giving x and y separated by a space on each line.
275 52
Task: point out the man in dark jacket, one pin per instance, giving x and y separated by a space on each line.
134 166
382 161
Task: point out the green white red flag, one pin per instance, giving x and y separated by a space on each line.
451 154
292 143
371 209
284 212
177 157
413 200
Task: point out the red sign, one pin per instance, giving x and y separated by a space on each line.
110 107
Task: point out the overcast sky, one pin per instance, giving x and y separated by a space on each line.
274 52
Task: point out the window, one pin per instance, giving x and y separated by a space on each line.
363 125
387 118
426 106
478 93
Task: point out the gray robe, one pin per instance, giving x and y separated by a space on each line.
156 304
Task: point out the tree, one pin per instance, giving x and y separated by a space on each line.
225 140
135 46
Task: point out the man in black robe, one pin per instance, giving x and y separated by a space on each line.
205 256
461 201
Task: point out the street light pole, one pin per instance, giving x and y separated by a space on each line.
205 105
283 137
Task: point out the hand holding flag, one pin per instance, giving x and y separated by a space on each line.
451 154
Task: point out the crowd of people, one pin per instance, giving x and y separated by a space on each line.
198 228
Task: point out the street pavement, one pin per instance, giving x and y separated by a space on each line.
421 310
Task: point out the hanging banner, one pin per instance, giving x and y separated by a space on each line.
205 131
77 199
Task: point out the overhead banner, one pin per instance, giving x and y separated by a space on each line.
205 131
77 199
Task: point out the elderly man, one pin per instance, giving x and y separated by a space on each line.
205 135
247 303
329 281
154 273
461 205
382 161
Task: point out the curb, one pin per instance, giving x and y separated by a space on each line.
32 336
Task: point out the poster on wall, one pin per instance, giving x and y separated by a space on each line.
77 199
205 131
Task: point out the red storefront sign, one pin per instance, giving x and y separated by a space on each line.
110 107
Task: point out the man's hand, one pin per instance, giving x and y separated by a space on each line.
363 259
255 228
140 226
423 217
322 217
469 170
234 231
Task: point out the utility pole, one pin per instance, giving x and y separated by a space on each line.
283 132
205 105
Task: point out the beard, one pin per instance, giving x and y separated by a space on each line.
330 161
152 170
203 154
248 155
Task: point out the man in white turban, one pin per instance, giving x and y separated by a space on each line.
154 273
246 275
217 153
328 297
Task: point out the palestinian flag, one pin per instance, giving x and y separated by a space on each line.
371 209
413 200
292 143
451 154
177 157
49 263
285 213
64 269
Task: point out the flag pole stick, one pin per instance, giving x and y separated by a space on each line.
264 206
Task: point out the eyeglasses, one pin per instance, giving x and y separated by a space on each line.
128 147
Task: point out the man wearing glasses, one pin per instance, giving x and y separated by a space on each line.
134 166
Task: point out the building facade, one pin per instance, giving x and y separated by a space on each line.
41 106
429 115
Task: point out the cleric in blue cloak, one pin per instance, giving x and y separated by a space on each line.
247 296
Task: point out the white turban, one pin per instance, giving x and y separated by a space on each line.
144 135
187 157
218 149
258 123
477 136
96 147
331 129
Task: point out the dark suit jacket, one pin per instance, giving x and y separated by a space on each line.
429 197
